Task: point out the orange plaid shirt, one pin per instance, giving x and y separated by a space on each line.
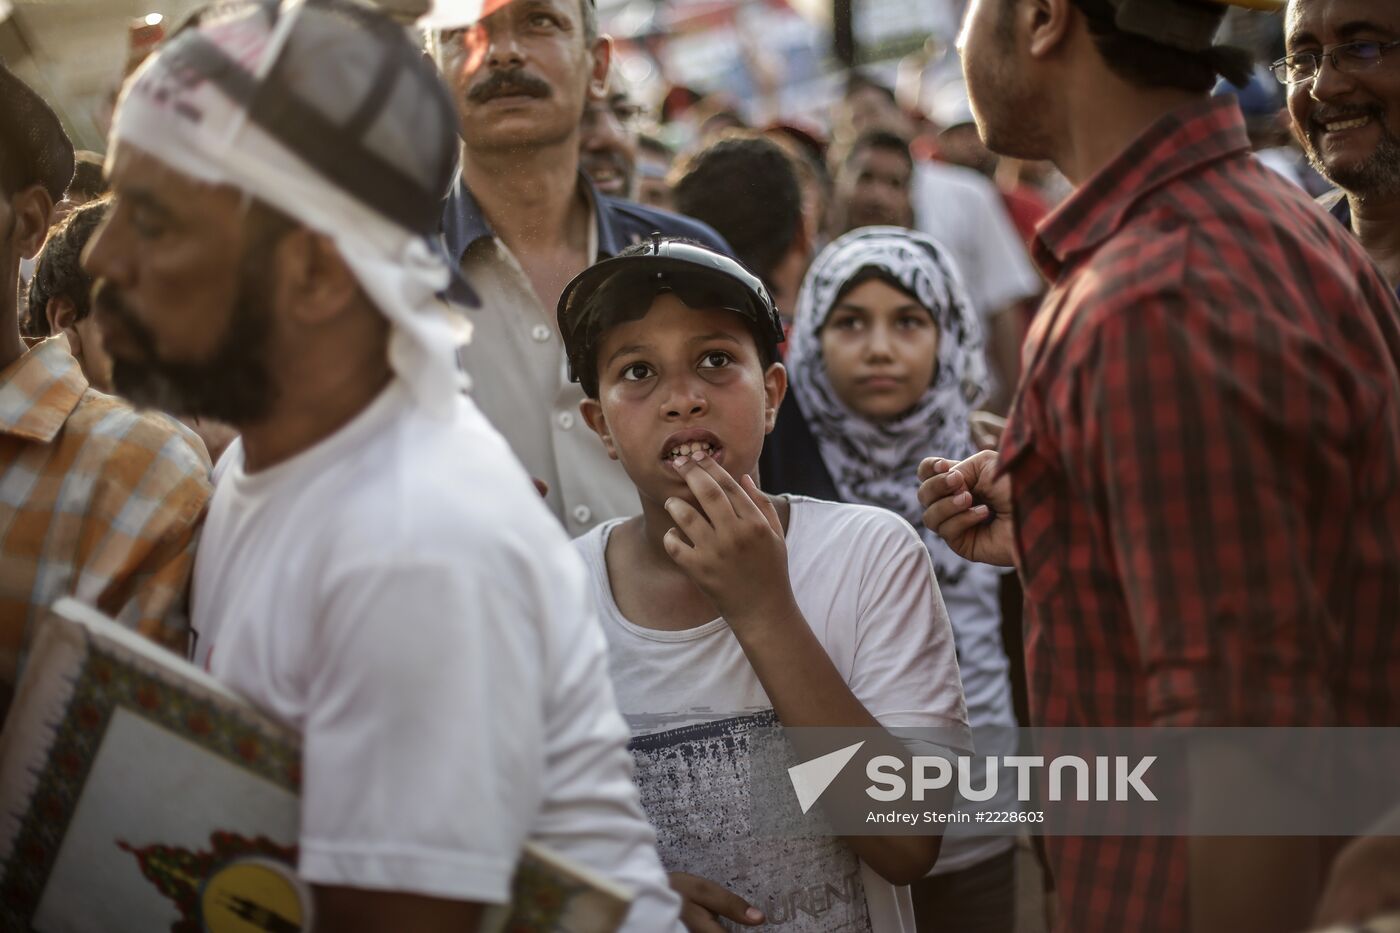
97 501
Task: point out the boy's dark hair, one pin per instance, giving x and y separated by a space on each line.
858 81
745 187
879 139
612 315
1141 61
58 272
88 181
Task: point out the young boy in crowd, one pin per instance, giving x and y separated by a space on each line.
727 609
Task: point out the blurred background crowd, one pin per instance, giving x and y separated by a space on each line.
810 74
864 99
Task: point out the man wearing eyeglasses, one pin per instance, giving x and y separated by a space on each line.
1342 72
607 143
1199 483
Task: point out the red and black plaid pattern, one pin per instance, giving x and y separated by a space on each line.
1205 453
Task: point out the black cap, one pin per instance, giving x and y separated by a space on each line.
1185 25
1188 25
32 136
667 265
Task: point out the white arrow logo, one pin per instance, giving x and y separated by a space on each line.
811 778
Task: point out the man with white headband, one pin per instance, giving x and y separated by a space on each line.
376 568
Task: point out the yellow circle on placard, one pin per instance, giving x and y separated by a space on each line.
254 896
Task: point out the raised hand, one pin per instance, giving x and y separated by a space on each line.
732 544
969 507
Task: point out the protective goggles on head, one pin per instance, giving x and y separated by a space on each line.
697 275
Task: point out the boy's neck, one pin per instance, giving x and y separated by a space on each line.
652 591
656 521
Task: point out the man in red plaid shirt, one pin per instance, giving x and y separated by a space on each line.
1200 480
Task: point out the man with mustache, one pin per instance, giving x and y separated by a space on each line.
1199 483
523 220
97 500
1342 72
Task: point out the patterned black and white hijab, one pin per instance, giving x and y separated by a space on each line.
875 463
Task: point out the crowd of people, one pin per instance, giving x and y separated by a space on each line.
528 467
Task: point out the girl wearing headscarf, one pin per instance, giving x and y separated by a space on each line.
885 362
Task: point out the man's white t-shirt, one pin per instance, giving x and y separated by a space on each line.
400 594
865 585
963 211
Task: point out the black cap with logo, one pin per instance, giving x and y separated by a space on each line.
624 287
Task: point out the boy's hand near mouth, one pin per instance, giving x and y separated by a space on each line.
732 546
737 555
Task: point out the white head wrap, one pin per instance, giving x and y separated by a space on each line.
458 14
875 462
198 128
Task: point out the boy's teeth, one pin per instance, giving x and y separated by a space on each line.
685 450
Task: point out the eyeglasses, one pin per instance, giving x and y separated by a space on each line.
1349 57
627 114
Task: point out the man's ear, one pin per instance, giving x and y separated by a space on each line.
598 78
32 207
592 411
60 314
1048 23
62 317
775 383
312 277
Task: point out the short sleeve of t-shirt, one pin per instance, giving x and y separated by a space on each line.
384 699
885 624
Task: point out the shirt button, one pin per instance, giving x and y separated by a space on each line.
540 333
566 420
582 514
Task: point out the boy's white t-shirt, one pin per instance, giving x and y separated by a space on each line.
865 585
400 595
